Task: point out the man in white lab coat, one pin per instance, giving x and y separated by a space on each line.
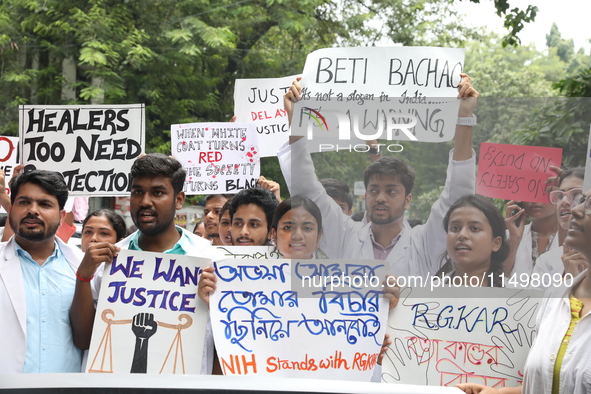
388 182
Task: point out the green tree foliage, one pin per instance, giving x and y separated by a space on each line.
181 57
563 122
514 19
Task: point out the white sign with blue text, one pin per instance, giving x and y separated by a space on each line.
322 319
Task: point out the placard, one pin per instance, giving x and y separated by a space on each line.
448 336
283 318
260 101
516 172
92 146
149 317
8 160
351 95
218 157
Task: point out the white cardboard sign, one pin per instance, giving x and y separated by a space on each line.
92 146
260 101
450 336
149 317
351 95
265 322
8 160
218 157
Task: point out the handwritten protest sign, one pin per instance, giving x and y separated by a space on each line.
393 93
93 146
8 159
250 252
458 335
260 101
218 157
149 317
286 318
516 172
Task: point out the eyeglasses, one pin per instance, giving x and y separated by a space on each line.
557 195
581 199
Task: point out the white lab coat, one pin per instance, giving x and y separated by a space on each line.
13 305
523 262
419 249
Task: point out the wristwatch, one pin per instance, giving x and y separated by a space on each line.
471 121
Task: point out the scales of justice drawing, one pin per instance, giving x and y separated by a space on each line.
103 358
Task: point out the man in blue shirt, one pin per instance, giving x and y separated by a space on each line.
37 280
156 193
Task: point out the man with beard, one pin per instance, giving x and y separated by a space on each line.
37 280
251 214
211 216
388 182
156 193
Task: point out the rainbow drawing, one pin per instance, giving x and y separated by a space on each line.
317 117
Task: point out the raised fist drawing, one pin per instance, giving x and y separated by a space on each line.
143 327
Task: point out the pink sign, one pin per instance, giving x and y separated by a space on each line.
516 172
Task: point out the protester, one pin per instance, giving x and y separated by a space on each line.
529 241
211 216
339 191
199 229
562 260
156 193
476 242
226 225
215 202
297 228
66 229
103 225
37 280
560 358
388 183
251 212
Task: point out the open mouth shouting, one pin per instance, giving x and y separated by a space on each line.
147 215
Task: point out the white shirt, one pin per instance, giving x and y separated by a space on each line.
549 263
523 261
419 249
13 306
553 321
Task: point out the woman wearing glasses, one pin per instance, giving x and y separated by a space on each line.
563 260
559 361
